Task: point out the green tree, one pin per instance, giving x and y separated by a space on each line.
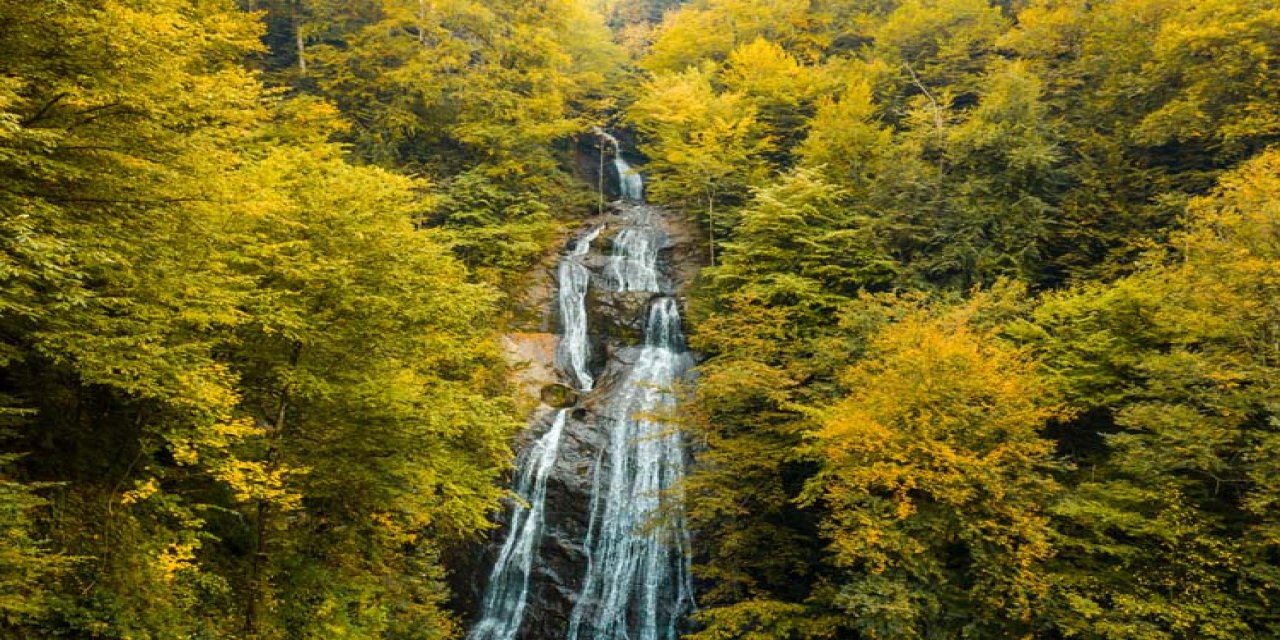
26 563
1150 114
484 99
847 141
781 90
376 388
1166 534
767 320
122 140
940 44
256 395
710 30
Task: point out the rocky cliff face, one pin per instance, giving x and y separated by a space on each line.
616 321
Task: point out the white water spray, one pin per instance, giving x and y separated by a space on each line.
629 180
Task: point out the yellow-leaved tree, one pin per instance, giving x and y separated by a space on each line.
936 476
704 146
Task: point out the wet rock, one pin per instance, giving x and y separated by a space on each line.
593 164
557 576
617 318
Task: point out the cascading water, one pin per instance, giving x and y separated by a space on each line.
633 264
629 575
629 181
508 593
574 350
637 584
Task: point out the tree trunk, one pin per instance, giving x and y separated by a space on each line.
261 539
711 224
298 40
257 573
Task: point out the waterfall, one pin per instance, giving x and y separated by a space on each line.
634 581
629 180
574 351
637 585
508 592
633 265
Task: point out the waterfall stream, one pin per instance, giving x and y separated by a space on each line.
629 180
508 592
630 183
574 350
631 578
637 582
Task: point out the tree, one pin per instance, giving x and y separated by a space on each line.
449 85
772 321
710 30
1149 114
847 140
245 378
940 44
781 90
25 561
804 231
936 476
1166 534
482 98
703 145
363 359
123 138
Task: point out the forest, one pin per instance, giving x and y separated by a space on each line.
987 326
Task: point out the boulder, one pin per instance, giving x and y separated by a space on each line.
558 395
